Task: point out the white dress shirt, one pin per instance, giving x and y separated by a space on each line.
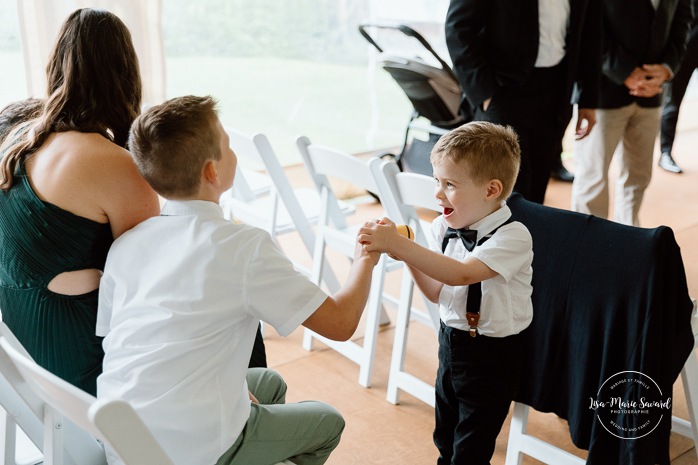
506 307
179 304
553 21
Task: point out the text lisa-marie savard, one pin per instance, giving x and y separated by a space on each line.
619 403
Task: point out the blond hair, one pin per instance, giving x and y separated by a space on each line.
488 151
172 142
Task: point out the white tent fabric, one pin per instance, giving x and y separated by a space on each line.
40 21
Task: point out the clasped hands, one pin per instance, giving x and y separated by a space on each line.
376 236
647 81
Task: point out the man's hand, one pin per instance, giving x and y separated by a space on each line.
647 81
656 75
635 80
586 119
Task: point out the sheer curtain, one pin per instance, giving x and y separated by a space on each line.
40 21
427 17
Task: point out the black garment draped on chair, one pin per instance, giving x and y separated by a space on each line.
606 298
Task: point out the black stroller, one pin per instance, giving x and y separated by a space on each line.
433 90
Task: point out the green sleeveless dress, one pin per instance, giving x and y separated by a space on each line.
38 241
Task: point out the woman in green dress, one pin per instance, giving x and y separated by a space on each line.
68 188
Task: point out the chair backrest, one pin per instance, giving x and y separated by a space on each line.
113 422
321 162
26 408
285 208
402 193
257 150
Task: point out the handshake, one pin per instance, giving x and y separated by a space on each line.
379 236
647 81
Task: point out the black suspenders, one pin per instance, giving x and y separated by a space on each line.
472 306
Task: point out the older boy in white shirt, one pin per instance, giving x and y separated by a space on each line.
478 268
182 295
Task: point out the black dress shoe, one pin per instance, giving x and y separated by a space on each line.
561 174
668 163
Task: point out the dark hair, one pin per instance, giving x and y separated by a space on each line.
19 112
171 142
94 85
488 151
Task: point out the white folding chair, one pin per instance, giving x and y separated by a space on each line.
114 422
689 379
401 193
282 208
322 162
26 409
64 420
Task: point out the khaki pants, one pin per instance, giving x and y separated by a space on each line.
304 433
631 130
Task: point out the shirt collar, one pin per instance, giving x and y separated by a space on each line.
191 207
487 224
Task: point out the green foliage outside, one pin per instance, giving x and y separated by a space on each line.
282 67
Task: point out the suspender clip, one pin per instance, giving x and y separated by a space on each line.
473 319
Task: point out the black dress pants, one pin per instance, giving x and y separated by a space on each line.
258 359
536 110
675 91
475 385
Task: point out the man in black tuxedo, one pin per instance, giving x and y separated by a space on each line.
521 63
644 42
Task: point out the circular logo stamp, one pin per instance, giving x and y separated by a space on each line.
630 405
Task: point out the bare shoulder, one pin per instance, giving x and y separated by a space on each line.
123 195
95 178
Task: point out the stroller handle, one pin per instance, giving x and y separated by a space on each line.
406 30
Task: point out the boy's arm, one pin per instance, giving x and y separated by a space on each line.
383 237
338 316
428 286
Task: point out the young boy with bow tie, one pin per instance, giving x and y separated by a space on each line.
478 268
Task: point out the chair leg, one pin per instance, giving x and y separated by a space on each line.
373 314
53 437
397 360
316 277
517 430
689 378
9 437
363 355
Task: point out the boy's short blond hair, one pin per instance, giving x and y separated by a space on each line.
488 151
171 143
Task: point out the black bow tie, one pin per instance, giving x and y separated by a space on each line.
468 236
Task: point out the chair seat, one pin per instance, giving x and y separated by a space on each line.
258 183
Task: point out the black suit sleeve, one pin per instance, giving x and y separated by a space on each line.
465 24
678 34
588 76
619 60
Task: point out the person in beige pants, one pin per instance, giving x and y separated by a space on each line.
644 43
629 131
